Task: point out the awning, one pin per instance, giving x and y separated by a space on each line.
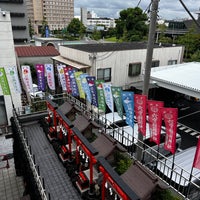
69 62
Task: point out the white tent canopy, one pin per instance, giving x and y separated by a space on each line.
183 78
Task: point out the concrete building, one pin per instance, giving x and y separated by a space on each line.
84 16
19 20
58 14
7 59
107 22
122 64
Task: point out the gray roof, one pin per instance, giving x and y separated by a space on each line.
103 47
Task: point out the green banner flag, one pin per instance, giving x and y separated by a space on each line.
78 82
100 95
4 82
116 92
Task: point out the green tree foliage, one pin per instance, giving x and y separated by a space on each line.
191 41
31 30
96 35
131 25
44 24
76 28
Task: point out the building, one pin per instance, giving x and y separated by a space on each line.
7 59
57 14
121 64
106 22
19 20
84 16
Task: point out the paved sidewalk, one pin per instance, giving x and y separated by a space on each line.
11 186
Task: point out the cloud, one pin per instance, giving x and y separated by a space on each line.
170 9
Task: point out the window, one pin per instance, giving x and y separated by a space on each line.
134 69
155 63
172 62
104 74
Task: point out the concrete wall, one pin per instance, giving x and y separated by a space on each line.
7 59
119 61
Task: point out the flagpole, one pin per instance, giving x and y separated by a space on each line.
172 167
188 189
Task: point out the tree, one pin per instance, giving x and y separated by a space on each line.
44 25
76 28
131 25
191 41
31 30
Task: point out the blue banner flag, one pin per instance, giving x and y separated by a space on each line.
93 89
73 83
85 87
128 103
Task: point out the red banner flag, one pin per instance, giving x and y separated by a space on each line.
155 119
140 106
170 116
196 162
67 78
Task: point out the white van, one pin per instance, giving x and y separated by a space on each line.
179 175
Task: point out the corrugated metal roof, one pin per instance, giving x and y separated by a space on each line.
31 51
183 76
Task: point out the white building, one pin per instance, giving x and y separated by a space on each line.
7 59
107 22
122 64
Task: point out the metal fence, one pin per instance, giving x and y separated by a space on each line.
151 156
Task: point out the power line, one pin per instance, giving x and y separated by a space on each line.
185 7
138 3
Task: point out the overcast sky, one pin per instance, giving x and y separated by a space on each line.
168 9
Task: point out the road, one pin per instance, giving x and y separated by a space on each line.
189 124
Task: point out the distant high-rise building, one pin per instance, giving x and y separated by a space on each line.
84 16
57 13
19 20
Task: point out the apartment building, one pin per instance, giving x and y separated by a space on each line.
19 20
57 13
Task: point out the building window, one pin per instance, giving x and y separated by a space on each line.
155 63
172 62
134 69
104 74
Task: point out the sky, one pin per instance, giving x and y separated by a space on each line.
168 9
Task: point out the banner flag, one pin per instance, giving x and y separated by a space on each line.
85 87
49 69
15 79
27 78
73 83
93 90
170 116
196 162
155 119
108 95
128 103
140 106
100 95
4 82
67 79
40 77
61 77
78 82
117 96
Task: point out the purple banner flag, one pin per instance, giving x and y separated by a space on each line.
128 103
93 89
40 77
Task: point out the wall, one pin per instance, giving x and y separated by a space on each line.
7 58
119 61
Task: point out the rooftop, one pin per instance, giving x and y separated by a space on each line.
103 47
29 51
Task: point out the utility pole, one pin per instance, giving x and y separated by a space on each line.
149 55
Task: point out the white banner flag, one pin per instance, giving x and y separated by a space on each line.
50 76
12 71
27 78
62 77
108 95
